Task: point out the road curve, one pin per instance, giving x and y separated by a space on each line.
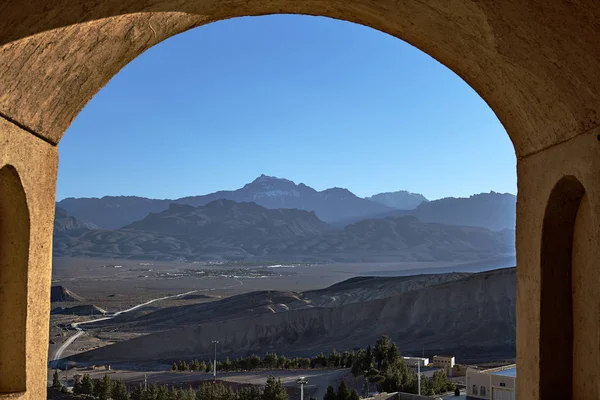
76 325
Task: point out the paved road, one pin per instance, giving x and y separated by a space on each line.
76 325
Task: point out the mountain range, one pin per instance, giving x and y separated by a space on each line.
335 206
224 229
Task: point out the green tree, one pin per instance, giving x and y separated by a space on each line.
367 362
77 387
227 364
343 391
87 385
163 393
282 361
335 359
270 360
392 358
318 361
56 381
119 391
202 367
330 394
138 393
152 392
174 367
190 394
380 351
274 390
354 395
103 388
347 359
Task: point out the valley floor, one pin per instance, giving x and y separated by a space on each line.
115 285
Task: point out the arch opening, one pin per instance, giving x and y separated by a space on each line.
14 255
556 321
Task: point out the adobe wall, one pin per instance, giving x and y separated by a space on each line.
34 163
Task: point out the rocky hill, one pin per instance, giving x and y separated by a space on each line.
64 223
242 231
62 294
469 315
226 218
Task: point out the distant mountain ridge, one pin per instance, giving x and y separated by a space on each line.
330 205
224 229
494 211
336 206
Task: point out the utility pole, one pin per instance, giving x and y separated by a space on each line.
215 362
146 382
302 381
419 375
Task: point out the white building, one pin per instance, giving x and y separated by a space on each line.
496 385
445 362
416 361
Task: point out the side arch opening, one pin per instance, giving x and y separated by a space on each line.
556 322
14 255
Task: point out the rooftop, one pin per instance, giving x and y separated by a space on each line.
507 372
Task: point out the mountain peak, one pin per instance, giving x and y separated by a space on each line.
401 200
268 178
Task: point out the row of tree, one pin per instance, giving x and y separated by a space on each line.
107 389
270 361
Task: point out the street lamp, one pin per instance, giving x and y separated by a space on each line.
215 362
302 381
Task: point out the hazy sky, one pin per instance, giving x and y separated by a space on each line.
314 100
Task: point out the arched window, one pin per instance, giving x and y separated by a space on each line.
482 390
556 318
474 390
14 255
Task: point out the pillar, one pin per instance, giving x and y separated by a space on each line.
28 168
558 271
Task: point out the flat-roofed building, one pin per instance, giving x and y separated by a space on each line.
492 385
416 361
445 362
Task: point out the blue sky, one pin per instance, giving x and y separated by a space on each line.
324 102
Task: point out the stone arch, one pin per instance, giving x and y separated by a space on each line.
517 56
556 308
14 257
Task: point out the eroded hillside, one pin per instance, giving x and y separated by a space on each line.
471 315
